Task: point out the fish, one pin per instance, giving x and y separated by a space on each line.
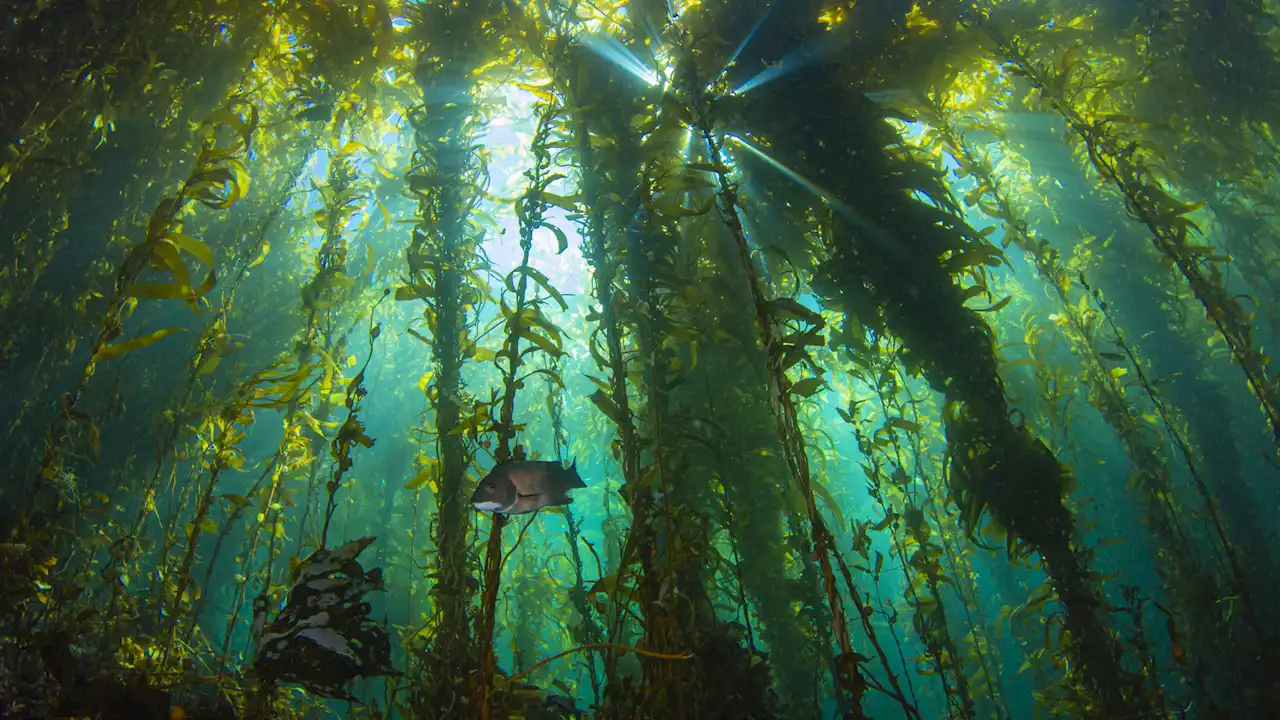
522 487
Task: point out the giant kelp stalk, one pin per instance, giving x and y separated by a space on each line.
646 272
1199 593
445 174
1069 86
330 296
610 168
894 458
605 172
904 479
745 453
89 166
220 435
327 300
292 386
1186 579
215 343
523 319
890 266
771 320
217 181
350 434
69 77
107 98
936 554
660 247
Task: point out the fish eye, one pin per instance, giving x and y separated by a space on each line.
488 486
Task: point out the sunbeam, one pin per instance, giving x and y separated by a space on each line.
866 228
799 179
746 41
611 49
801 57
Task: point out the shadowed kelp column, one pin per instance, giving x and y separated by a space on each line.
890 264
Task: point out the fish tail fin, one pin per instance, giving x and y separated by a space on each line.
573 475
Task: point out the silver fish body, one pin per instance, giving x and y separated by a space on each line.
522 487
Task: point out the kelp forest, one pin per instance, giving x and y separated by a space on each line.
848 359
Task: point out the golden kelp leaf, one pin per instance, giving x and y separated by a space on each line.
562 240
998 306
264 247
128 346
974 255
230 459
191 245
821 491
168 257
606 584
902 424
236 500
542 92
604 386
370 261
163 291
550 374
427 476
607 406
674 208
481 415
206 525
542 280
560 201
332 280
787 307
162 218
351 147
543 342
243 126
533 317
596 354
807 387
219 187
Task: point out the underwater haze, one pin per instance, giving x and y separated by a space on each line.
640 359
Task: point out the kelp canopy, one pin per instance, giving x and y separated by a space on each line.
916 356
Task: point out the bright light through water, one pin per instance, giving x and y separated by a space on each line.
508 137
612 49
866 229
797 59
799 179
746 41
